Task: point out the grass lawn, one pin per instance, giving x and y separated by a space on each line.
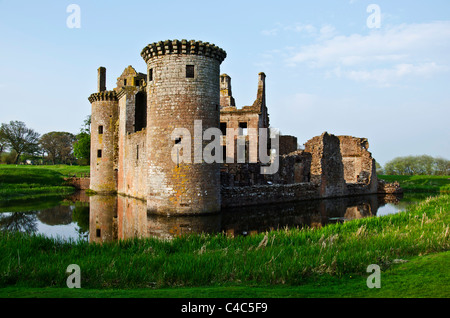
65 170
421 183
21 183
420 277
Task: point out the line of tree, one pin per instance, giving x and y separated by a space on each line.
18 144
417 165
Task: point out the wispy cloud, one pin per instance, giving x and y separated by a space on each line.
306 29
382 56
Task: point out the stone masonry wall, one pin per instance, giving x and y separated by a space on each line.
132 174
103 141
327 169
359 166
266 194
288 144
176 101
78 183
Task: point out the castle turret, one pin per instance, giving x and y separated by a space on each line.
183 87
104 118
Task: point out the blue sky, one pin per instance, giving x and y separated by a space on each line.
326 69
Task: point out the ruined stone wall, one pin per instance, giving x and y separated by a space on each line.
293 168
253 117
287 144
327 169
226 96
78 183
241 175
389 188
359 166
266 194
232 119
175 100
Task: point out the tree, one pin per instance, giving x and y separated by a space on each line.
379 168
19 138
58 145
2 145
82 144
417 165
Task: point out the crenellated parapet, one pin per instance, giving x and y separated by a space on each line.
183 47
103 96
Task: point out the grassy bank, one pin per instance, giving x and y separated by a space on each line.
439 184
415 278
280 258
24 183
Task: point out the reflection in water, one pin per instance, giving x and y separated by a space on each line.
63 219
118 217
109 218
18 222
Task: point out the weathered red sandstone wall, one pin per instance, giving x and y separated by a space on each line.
104 141
78 183
327 169
132 168
359 166
265 194
175 100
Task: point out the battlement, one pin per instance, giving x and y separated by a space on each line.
183 47
103 96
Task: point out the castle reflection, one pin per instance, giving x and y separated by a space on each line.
119 218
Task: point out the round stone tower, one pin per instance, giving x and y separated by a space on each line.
104 118
183 91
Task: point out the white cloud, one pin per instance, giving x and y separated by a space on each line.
306 29
386 76
383 55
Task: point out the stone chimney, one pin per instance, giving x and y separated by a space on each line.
101 79
226 97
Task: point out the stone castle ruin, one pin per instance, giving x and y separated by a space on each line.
132 142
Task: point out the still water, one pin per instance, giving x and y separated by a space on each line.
107 218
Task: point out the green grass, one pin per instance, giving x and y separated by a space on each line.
21 183
425 276
421 183
288 258
65 170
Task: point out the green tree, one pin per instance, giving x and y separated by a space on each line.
417 165
19 138
58 145
82 144
442 166
379 168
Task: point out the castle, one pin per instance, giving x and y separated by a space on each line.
132 140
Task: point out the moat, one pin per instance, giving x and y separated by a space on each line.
109 218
